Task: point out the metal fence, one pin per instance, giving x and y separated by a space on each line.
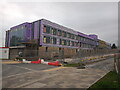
117 62
56 54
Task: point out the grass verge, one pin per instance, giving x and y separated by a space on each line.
110 80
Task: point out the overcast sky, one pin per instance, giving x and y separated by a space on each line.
87 17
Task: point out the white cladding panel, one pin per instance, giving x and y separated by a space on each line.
4 53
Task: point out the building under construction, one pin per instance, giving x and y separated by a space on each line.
46 39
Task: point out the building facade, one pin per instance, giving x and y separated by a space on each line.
44 38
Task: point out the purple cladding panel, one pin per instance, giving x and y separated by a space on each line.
8 38
28 31
36 29
41 32
84 35
93 36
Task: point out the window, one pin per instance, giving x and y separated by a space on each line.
68 35
54 40
68 42
16 37
46 29
65 34
85 45
60 42
76 44
76 37
82 39
51 30
82 45
72 36
59 32
54 31
46 39
65 42
72 42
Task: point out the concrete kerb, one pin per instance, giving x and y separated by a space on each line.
86 60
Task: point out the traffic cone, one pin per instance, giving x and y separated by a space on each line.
24 61
36 62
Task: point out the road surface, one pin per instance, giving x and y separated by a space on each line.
42 76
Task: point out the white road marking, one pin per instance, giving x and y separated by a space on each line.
31 71
21 73
25 68
18 74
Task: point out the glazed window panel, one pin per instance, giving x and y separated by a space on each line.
60 42
68 35
73 36
54 31
82 45
17 36
54 40
51 30
72 42
68 42
65 42
44 29
59 32
82 38
48 29
65 34
76 37
46 39
76 44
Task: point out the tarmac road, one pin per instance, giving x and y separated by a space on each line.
102 65
19 68
43 76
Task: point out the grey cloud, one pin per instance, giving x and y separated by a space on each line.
90 17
